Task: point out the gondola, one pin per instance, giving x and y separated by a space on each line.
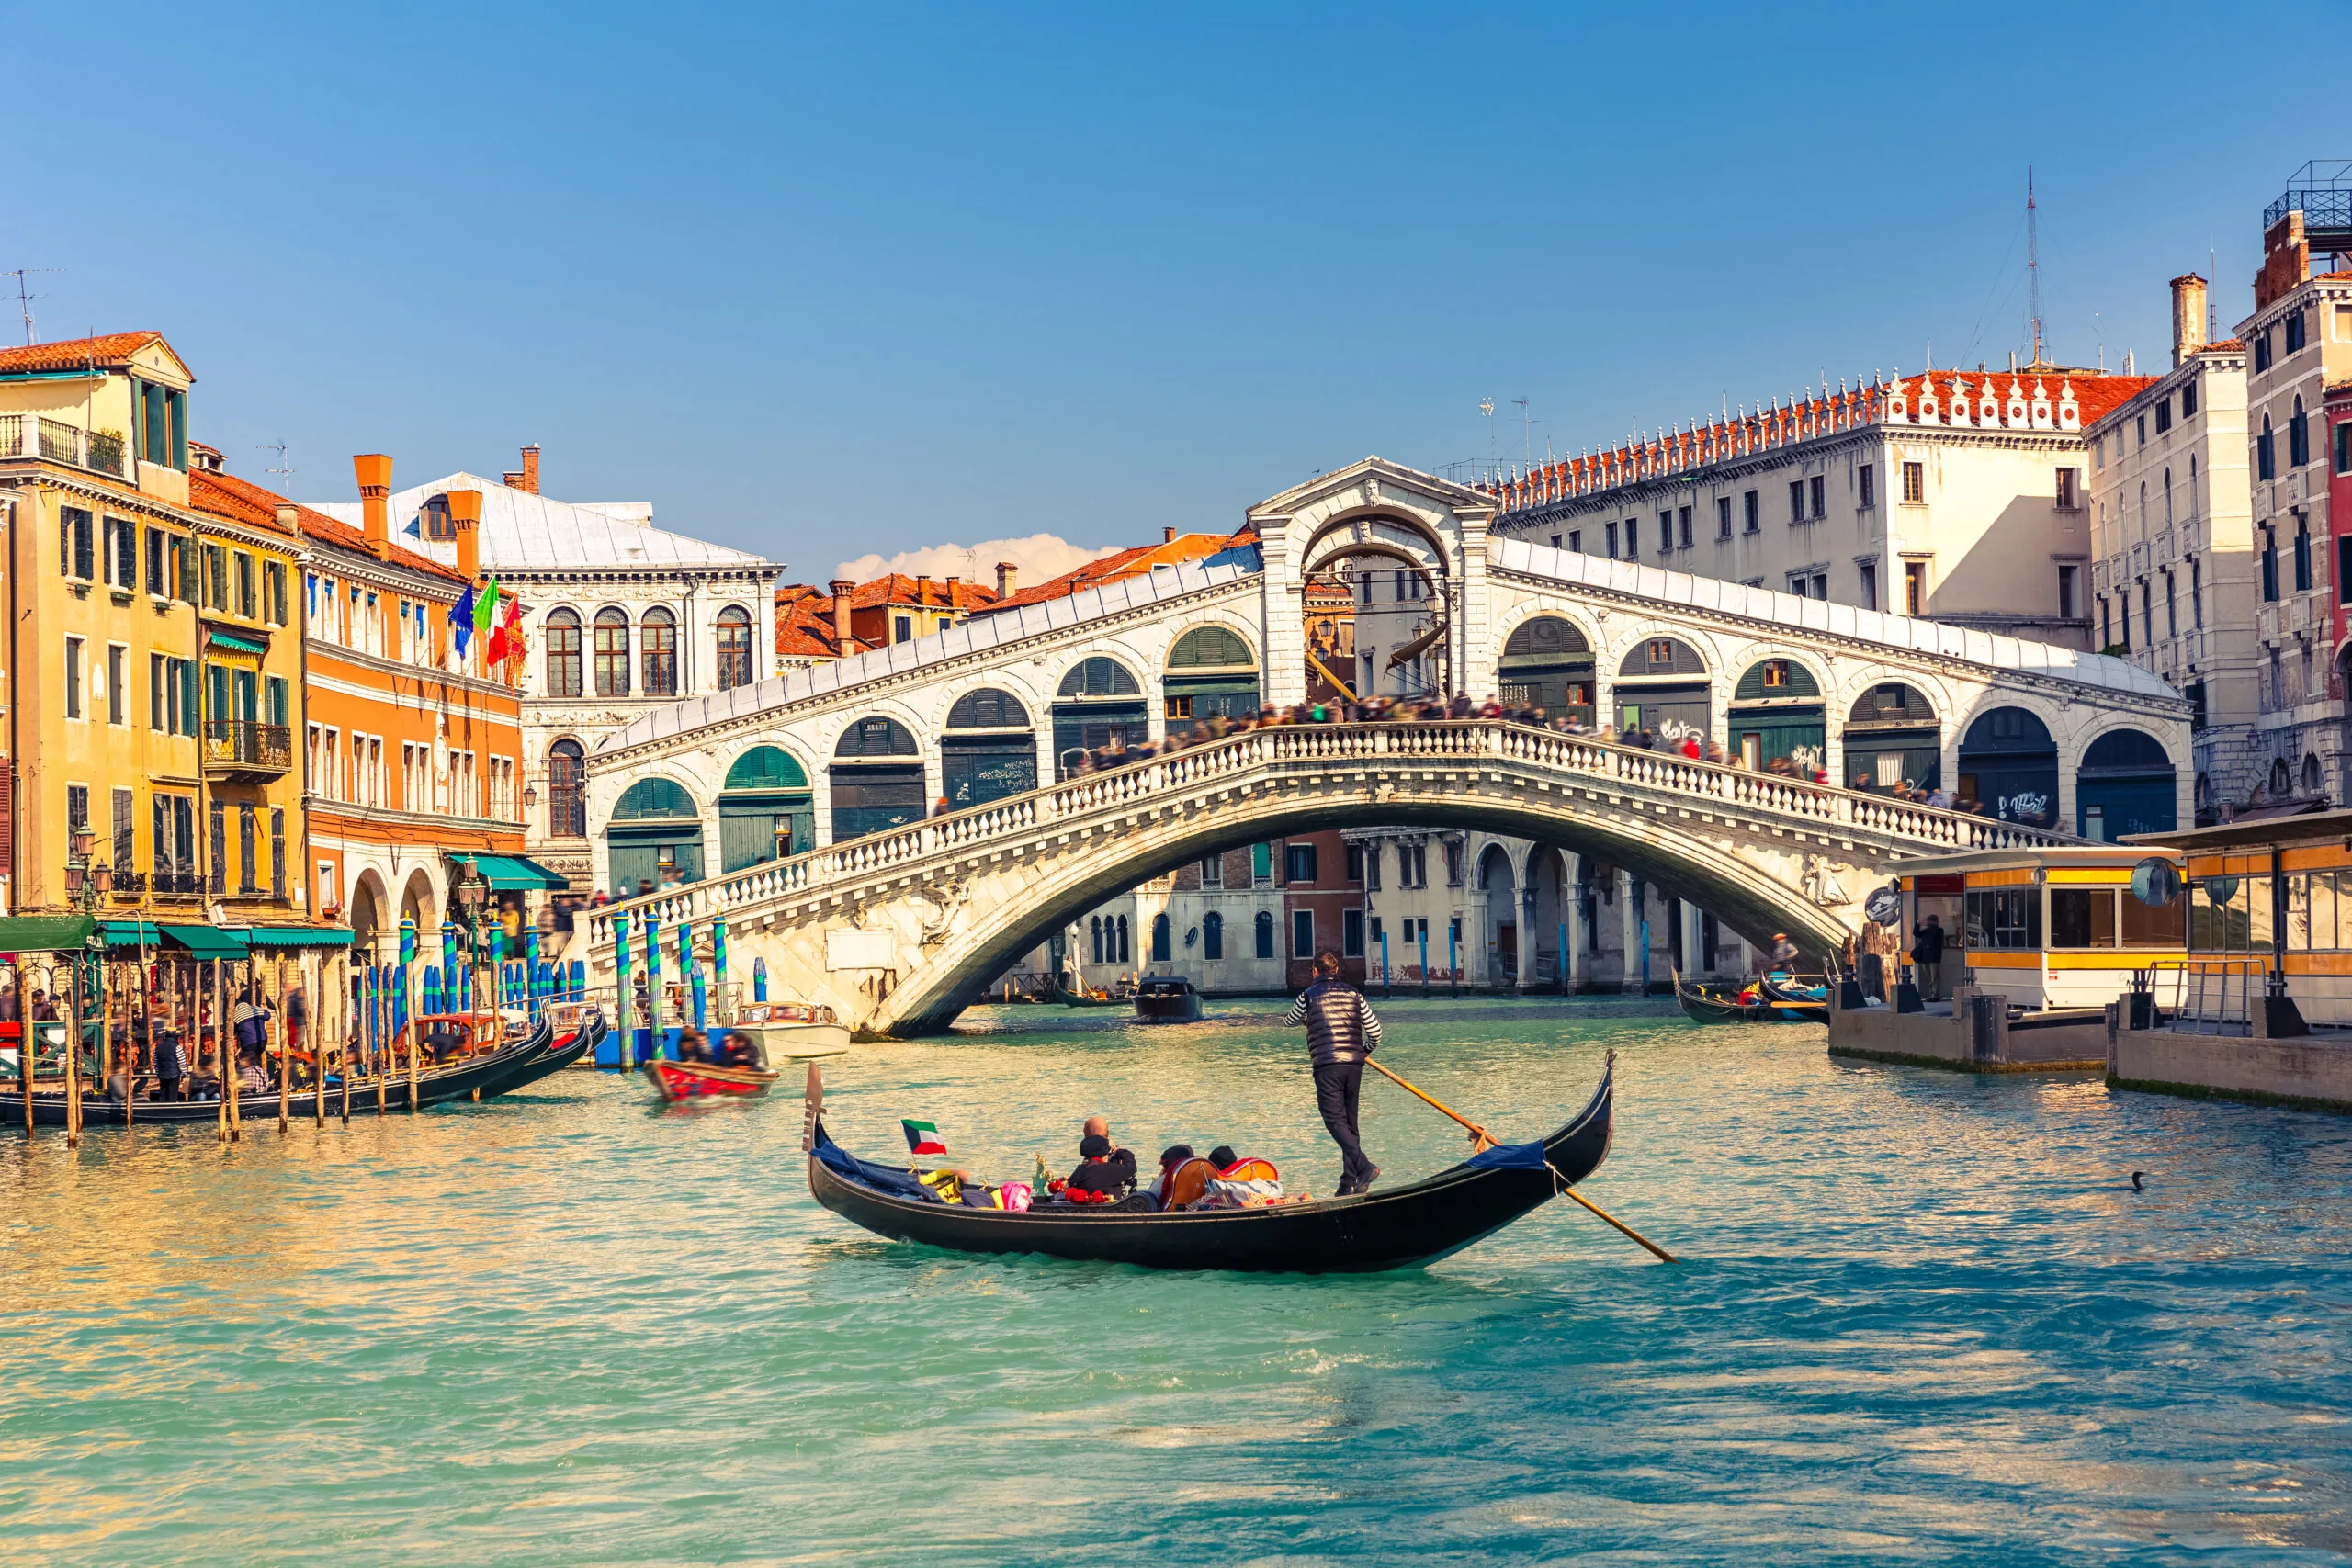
1700 1006
1393 1228
1075 999
1790 999
490 1074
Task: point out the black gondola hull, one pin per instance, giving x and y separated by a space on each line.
1397 1228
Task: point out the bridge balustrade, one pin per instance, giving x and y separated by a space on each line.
1308 747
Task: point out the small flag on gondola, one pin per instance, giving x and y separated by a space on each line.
923 1138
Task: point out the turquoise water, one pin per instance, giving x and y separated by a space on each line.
1923 1319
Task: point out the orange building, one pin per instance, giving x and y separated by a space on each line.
811 627
412 751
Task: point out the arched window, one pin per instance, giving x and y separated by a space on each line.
2310 774
563 654
988 708
612 653
2167 496
1212 937
1159 949
2281 781
2298 437
1264 932
1099 678
2192 484
1127 953
1096 922
2265 454
658 799
658 630
734 647
567 799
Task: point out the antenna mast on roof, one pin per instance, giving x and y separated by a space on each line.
277 447
2033 264
1526 433
23 300
1487 407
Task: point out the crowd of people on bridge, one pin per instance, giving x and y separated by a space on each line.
1117 753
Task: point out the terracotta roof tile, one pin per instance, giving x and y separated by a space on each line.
75 354
1131 562
242 501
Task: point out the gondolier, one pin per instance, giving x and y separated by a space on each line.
1341 1031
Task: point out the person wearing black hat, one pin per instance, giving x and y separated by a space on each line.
1101 1168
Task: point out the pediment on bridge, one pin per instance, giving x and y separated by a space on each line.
1369 485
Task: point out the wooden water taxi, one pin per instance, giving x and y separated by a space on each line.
1167 1000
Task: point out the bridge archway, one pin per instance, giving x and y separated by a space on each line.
1893 737
1498 880
1099 704
988 750
766 809
1548 663
1662 686
1212 672
2009 760
655 837
877 779
2127 785
1776 713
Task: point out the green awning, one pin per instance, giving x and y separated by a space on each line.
45 933
131 935
205 941
236 643
279 938
515 873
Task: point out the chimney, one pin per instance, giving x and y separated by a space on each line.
922 588
526 478
1008 576
842 587
951 590
2188 317
375 473
1168 536
465 521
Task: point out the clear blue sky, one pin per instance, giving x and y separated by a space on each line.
851 279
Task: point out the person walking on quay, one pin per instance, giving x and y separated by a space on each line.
1877 942
1928 958
1342 1032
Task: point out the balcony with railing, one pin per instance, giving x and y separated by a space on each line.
35 436
240 748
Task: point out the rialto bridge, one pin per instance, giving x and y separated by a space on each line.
803 808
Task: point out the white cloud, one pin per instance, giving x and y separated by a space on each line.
1040 556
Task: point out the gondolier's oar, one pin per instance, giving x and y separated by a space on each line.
1481 1140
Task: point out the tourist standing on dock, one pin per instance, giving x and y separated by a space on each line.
1928 958
1341 1031
1877 944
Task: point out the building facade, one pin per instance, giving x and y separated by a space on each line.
106 719
1957 495
620 618
2174 577
2298 339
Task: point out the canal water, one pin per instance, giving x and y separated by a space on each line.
1923 1319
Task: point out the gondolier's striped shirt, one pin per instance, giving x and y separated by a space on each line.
1341 1025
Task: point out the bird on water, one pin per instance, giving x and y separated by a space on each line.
2135 1182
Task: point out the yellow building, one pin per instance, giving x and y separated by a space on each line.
100 683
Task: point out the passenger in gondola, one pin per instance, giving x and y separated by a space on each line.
443 1040
691 1047
44 1010
251 1080
1171 1160
204 1082
170 1063
1099 1177
740 1050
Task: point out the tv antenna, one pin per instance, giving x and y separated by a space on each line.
1487 407
1526 433
25 299
277 447
2033 264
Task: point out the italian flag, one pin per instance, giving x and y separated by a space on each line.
923 1138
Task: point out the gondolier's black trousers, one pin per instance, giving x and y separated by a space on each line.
1336 1087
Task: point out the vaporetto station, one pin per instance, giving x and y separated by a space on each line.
898 929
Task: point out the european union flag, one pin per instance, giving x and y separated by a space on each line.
461 621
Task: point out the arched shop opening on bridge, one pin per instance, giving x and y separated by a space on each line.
988 751
1892 738
766 810
655 837
2008 761
1547 664
1211 673
2127 785
877 780
1776 714
1662 687
1100 704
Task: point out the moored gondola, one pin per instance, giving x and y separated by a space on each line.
471 1077
1701 1005
1392 1228
1071 999
1791 1000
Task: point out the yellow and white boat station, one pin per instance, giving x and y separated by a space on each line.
2273 897
2047 928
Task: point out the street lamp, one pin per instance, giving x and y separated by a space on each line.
85 883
